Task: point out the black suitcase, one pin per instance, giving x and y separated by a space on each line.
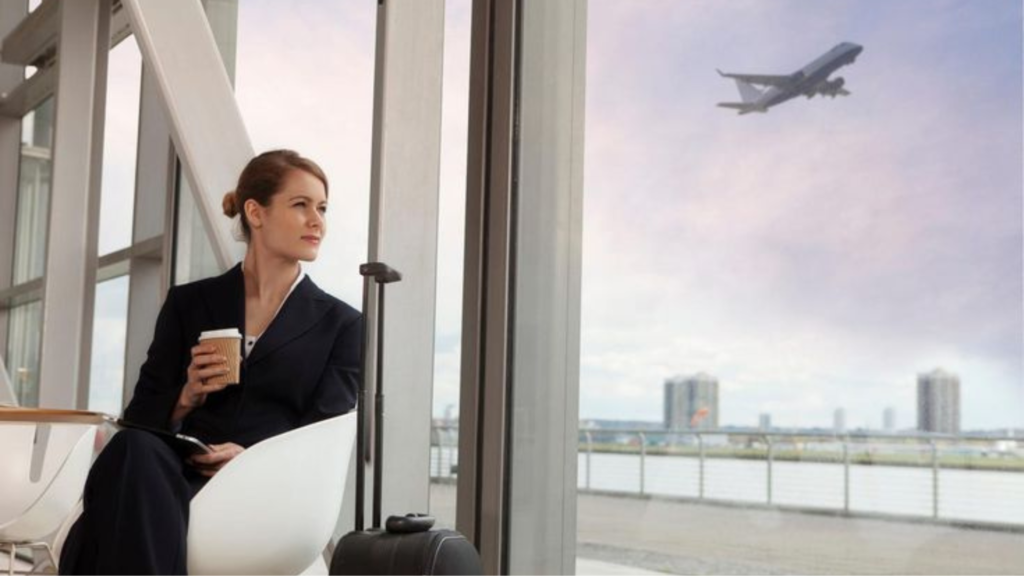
406 545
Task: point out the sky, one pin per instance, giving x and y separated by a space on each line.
817 257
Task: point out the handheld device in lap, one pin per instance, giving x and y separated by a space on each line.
183 444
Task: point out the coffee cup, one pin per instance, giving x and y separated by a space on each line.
228 343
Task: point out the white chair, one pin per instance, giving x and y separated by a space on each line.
273 509
43 472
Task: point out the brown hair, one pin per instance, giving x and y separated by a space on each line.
262 178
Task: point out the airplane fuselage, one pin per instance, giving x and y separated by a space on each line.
813 74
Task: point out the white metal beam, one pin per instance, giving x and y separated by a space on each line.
25 96
11 13
154 182
34 39
209 135
404 185
120 27
72 232
34 42
520 356
486 314
548 263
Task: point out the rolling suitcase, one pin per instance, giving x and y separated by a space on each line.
406 544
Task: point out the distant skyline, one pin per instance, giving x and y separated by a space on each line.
818 256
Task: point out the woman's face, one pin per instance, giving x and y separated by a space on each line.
294 223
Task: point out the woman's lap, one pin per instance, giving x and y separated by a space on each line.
136 505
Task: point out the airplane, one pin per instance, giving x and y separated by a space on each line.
809 81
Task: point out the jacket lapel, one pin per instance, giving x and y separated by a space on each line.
225 300
306 305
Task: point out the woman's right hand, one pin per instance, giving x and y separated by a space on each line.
206 363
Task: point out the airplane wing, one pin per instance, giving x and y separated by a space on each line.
742 107
764 79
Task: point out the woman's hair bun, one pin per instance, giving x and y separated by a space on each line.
230 204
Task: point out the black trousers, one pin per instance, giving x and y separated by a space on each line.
136 505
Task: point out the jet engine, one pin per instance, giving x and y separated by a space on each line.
833 88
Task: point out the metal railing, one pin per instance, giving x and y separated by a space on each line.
964 479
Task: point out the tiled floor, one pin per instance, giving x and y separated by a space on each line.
583 567
635 536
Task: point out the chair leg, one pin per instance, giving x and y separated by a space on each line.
11 558
49 554
12 550
53 559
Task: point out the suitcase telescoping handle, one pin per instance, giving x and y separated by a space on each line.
381 274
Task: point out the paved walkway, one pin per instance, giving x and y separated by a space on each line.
685 538
588 567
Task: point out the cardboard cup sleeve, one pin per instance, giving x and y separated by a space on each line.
228 343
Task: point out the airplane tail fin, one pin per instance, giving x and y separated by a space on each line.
748 93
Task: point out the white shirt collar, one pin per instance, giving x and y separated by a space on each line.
250 341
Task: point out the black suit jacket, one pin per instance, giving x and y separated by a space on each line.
304 368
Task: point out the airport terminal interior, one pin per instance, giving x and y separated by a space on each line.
687 287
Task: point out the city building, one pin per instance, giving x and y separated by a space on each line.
938 402
765 421
691 402
839 420
889 419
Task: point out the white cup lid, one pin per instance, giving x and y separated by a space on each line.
224 333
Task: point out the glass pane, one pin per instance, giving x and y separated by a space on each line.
109 334
451 237
315 96
193 255
34 182
330 124
780 310
23 342
120 146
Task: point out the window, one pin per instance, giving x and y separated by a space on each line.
34 182
23 342
193 254
315 96
120 146
109 332
766 295
451 237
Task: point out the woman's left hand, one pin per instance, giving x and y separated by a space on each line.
210 464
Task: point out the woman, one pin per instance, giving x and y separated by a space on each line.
301 363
